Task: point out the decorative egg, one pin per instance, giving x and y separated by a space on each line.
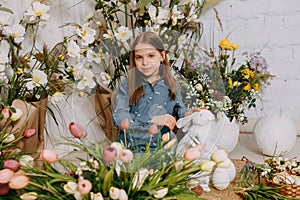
221 178
275 135
297 181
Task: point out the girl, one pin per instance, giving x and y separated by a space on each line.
150 95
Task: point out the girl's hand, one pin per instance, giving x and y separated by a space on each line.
194 110
164 120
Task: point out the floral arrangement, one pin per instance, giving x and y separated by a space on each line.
26 72
98 51
113 172
225 87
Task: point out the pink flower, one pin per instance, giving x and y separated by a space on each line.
6 175
126 155
12 165
123 195
153 129
125 124
77 130
28 133
4 189
6 112
114 193
49 155
18 182
84 186
109 154
194 152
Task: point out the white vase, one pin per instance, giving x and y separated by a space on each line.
275 135
229 134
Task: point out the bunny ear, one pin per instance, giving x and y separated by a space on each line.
183 121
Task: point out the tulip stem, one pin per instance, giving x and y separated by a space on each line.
125 139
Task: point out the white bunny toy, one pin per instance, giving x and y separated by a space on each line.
201 128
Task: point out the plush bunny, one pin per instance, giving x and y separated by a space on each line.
201 127
194 129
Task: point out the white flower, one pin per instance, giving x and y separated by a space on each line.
87 80
3 59
123 195
9 138
105 78
92 56
15 31
26 161
71 187
123 34
114 193
5 19
97 196
118 147
163 14
29 196
37 10
199 87
57 97
108 35
73 49
219 104
16 115
161 193
39 78
86 33
225 163
192 17
176 14
139 178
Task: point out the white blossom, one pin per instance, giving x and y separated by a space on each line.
37 10
176 14
39 78
73 49
86 33
123 34
16 31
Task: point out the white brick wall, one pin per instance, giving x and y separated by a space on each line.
271 25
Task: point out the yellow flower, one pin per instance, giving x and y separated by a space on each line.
225 44
230 82
20 71
256 87
234 46
248 73
247 87
61 57
27 58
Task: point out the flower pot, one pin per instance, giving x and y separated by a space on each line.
229 134
274 135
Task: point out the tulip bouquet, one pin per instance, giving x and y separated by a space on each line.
225 87
112 172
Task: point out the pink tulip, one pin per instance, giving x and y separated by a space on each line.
49 155
6 112
125 124
126 155
4 189
153 129
109 154
28 133
6 175
165 137
12 165
18 182
77 130
194 152
84 186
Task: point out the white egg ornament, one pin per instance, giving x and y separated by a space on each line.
297 181
221 178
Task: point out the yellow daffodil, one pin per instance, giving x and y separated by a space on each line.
247 87
256 87
248 73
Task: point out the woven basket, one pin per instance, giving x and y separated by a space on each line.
287 190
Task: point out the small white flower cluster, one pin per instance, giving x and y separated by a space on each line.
282 171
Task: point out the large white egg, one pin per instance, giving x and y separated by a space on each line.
275 135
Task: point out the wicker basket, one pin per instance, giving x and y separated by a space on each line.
288 190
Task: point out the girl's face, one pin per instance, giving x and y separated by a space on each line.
147 60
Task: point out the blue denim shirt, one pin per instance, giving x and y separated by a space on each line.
155 101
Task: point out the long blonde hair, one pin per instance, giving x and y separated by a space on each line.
135 86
